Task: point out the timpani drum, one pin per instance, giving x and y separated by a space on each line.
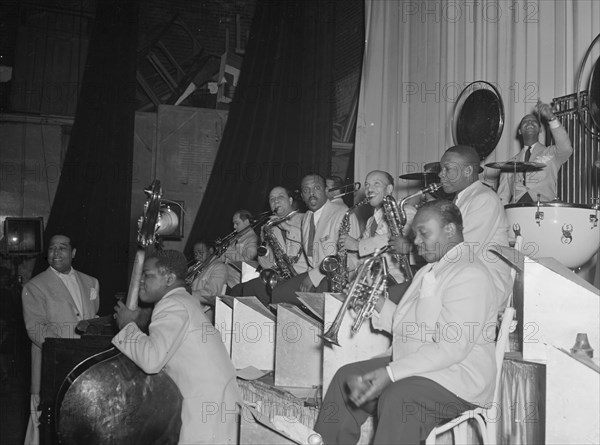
567 232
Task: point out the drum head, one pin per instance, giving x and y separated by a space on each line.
478 118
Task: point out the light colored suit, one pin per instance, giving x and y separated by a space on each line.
49 311
184 342
210 282
448 337
486 228
542 181
368 244
326 237
292 245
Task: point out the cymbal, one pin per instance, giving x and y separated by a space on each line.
421 176
516 166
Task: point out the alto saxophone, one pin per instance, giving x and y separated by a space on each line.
336 266
370 283
396 218
284 265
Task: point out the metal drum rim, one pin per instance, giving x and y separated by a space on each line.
517 205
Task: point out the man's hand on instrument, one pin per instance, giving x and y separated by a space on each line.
348 243
368 387
400 245
124 315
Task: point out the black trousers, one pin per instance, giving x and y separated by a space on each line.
285 292
406 412
253 288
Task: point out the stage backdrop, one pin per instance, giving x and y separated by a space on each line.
420 54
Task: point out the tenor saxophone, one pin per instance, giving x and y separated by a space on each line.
395 216
336 266
284 265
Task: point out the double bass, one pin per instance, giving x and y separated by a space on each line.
107 398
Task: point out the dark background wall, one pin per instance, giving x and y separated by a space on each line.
45 43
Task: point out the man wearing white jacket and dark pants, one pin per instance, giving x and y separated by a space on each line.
183 342
442 357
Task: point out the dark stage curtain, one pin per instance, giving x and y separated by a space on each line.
93 198
280 121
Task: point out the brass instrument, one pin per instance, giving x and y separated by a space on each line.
345 189
284 265
336 266
396 218
370 283
221 246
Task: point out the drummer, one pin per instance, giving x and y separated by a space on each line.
524 187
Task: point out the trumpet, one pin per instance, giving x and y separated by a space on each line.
347 189
369 284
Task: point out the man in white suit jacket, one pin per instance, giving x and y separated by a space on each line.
442 359
321 240
54 301
185 343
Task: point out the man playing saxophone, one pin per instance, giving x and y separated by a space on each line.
320 231
282 238
485 222
441 362
378 185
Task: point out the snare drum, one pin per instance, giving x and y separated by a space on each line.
567 232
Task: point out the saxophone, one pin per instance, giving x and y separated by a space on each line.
396 218
284 265
336 266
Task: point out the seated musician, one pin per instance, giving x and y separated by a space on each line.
287 235
525 186
321 227
442 359
187 346
485 222
211 280
243 249
378 185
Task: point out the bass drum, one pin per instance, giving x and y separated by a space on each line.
108 399
567 232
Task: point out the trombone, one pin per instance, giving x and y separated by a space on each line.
222 244
344 190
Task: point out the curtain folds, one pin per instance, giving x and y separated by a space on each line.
420 54
92 202
280 121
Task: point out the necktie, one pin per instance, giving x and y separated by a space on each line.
311 235
527 157
373 230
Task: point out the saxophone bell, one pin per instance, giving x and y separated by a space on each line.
262 250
